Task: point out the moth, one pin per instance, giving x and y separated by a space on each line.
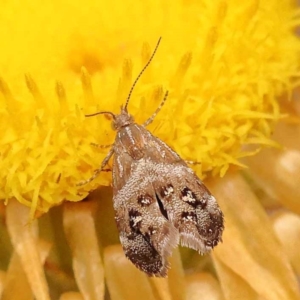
159 201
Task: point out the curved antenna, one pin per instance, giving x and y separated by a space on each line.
138 77
102 112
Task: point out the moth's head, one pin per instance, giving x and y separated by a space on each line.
122 120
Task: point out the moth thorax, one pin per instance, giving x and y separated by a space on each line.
122 120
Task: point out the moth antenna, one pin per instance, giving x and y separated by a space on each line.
102 112
138 77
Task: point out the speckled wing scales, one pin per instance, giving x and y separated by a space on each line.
188 203
190 208
147 237
158 200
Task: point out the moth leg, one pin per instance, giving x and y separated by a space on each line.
96 172
150 120
101 146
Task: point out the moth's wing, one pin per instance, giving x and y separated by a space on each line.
188 203
146 235
190 207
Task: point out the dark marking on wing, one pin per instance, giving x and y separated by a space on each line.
145 200
135 220
161 207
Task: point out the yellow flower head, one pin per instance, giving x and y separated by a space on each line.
223 62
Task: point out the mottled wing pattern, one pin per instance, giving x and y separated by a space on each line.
158 201
189 205
146 234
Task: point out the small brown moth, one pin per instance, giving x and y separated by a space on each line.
159 201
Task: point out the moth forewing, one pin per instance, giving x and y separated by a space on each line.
188 204
146 235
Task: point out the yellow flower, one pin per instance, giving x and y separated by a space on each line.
225 64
